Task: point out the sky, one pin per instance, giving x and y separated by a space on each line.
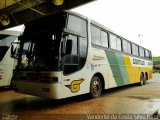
128 18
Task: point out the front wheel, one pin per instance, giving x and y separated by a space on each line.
95 87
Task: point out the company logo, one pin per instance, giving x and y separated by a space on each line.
75 85
138 62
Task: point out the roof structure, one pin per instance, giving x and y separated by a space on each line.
17 12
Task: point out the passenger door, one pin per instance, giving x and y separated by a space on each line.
74 78
71 61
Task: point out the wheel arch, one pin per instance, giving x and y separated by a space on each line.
98 74
146 75
142 73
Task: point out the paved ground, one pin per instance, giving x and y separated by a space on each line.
128 102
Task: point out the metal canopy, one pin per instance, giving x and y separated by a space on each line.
17 12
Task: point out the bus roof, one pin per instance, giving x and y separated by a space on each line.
10 32
85 17
111 31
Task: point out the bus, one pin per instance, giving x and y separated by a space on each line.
6 62
69 54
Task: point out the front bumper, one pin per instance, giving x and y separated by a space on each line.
45 90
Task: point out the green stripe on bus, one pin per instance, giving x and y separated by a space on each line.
117 66
122 67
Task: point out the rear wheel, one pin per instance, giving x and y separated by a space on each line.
95 87
142 80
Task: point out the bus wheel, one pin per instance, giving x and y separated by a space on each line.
142 80
95 87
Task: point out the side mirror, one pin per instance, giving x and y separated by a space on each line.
14 50
68 47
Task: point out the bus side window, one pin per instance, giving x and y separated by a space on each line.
113 42
141 51
129 48
119 44
77 25
135 49
95 35
125 47
104 39
147 54
150 54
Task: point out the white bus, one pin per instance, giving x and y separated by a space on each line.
69 54
6 62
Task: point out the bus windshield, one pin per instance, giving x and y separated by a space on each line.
41 52
40 44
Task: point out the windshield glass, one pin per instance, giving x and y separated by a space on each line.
41 53
41 42
5 43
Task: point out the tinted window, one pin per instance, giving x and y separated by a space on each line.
74 44
71 61
129 48
141 51
104 39
146 53
95 35
83 52
150 54
135 49
76 60
119 48
125 47
77 25
113 41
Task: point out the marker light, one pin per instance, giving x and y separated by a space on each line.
4 19
58 2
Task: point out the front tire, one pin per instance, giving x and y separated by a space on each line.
95 87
